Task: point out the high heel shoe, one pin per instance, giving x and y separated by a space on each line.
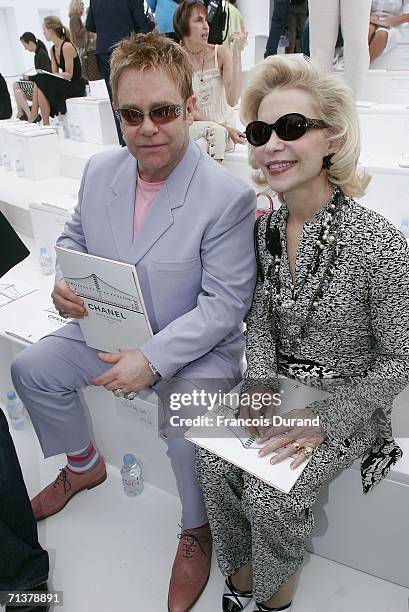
234 600
262 608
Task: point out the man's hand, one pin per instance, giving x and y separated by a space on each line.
130 372
67 301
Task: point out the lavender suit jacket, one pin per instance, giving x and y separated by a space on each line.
194 254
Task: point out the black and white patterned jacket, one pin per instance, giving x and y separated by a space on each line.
359 331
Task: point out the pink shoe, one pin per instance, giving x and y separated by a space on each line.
57 494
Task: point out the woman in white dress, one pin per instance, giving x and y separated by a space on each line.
216 79
384 28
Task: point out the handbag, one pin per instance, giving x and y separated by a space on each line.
91 69
262 210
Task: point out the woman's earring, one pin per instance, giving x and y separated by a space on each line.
326 162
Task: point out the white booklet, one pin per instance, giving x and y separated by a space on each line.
31 329
117 318
222 434
35 71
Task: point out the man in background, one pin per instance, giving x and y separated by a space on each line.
113 20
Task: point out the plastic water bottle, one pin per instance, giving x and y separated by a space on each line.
20 168
46 261
131 473
404 228
6 162
15 410
78 133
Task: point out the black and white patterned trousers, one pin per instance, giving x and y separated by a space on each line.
252 521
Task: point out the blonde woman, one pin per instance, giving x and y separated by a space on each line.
216 79
51 92
77 28
330 309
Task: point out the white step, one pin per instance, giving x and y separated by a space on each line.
387 86
74 155
367 532
16 194
398 57
384 129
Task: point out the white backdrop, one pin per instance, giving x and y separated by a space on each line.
18 16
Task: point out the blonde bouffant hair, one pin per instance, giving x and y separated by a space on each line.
335 105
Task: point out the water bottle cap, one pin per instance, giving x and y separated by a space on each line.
11 395
129 459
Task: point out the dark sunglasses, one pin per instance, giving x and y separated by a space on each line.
160 115
287 127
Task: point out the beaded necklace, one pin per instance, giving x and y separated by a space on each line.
328 240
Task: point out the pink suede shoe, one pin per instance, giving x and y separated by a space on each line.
57 494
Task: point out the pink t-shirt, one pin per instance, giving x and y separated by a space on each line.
144 196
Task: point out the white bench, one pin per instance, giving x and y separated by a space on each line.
91 120
36 147
384 129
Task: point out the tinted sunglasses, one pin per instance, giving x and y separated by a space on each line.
160 115
288 127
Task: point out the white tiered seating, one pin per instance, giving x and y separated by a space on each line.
384 129
36 147
387 86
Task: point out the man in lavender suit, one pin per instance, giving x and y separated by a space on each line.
187 224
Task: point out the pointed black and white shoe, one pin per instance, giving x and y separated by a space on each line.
234 600
261 608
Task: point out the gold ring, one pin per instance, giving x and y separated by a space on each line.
296 445
306 450
118 392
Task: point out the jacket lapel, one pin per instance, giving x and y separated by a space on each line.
121 206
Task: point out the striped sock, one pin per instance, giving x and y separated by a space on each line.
84 460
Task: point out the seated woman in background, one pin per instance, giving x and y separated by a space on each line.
384 31
23 89
50 92
5 102
330 309
216 79
77 28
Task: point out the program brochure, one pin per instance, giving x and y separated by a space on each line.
117 318
220 431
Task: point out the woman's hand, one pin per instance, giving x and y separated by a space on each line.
374 19
258 403
290 440
239 40
66 75
236 136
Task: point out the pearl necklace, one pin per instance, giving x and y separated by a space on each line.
328 239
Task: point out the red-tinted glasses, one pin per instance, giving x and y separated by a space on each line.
160 115
287 127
